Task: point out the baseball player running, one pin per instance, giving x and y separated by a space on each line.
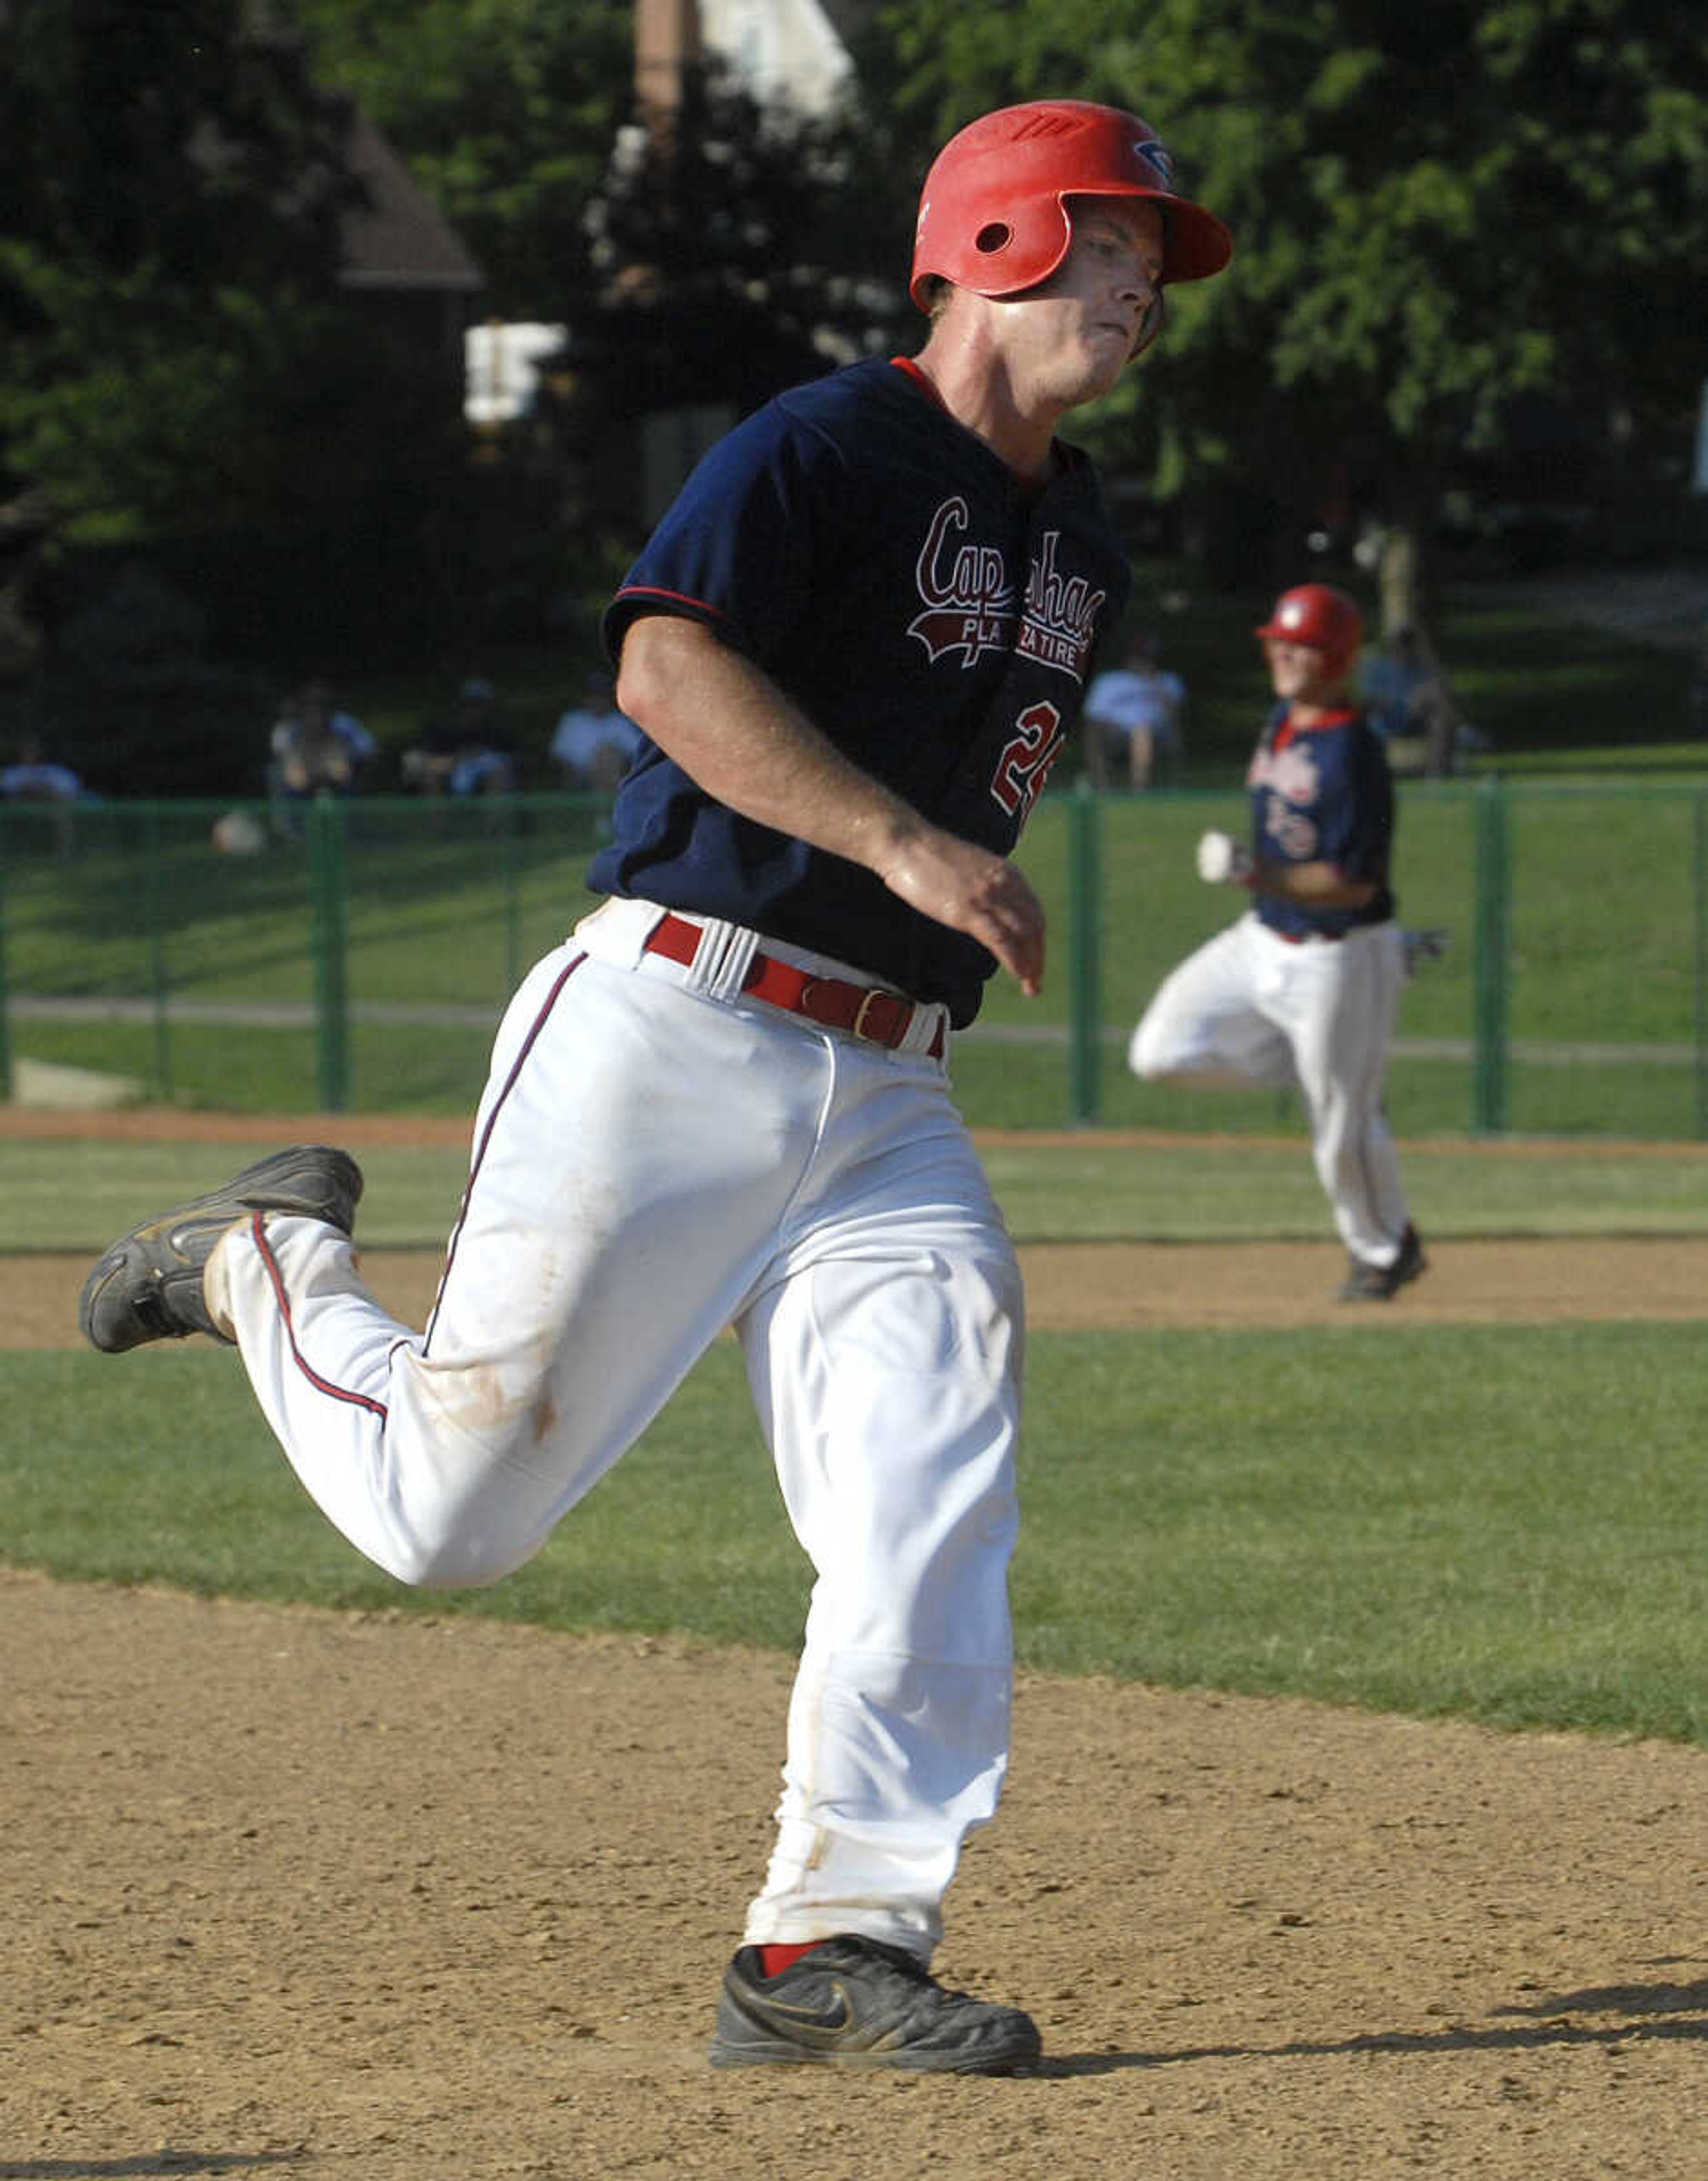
1305 985
854 646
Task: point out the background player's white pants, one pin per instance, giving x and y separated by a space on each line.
1249 1007
652 1164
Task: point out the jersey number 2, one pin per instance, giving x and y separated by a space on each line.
1024 765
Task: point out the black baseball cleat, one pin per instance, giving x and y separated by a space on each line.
1367 1283
855 2002
148 1285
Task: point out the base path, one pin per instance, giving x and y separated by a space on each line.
312 1895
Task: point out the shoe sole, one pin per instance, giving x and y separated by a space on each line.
1349 1293
784 2054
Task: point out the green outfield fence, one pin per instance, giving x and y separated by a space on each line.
359 957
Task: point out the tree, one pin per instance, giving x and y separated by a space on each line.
759 247
520 117
749 248
184 375
506 110
174 189
1437 211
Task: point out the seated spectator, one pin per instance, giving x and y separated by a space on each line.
594 741
317 747
468 752
1392 681
1410 706
350 732
1134 721
36 779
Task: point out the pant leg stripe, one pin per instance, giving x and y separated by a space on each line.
510 1080
257 1228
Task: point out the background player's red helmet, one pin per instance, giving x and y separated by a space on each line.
1317 614
992 215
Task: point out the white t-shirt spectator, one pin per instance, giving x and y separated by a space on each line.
1130 701
583 735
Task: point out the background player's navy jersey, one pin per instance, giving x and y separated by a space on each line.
1322 794
931 617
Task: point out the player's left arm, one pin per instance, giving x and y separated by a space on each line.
1316 885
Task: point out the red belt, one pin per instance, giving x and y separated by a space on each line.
865 1010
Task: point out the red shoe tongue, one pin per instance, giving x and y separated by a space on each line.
773 1960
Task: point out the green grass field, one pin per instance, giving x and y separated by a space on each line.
1090 1188
1504 1524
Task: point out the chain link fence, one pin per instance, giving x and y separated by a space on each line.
356 955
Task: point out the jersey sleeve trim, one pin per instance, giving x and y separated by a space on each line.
637 599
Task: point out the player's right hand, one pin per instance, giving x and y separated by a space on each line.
1221 860
972 890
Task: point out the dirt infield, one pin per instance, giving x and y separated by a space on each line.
296 1893
310 1895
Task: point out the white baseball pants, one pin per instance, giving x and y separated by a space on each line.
1251 1007
655 1159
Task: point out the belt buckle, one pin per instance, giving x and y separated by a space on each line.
857 1024
869 1000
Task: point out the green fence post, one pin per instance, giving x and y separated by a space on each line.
159 977
1699 871
330 915
5 994
1085 929
1489 1103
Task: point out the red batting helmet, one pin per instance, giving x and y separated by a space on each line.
992 215
1325 619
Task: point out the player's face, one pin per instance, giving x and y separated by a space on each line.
1301 673
1083 324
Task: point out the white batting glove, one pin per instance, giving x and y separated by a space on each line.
1221 861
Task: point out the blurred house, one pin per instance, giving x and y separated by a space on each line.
403 258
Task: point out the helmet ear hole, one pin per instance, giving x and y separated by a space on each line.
989 240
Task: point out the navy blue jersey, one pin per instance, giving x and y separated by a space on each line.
1322 794
932 617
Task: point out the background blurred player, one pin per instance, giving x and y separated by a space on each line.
1305 987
